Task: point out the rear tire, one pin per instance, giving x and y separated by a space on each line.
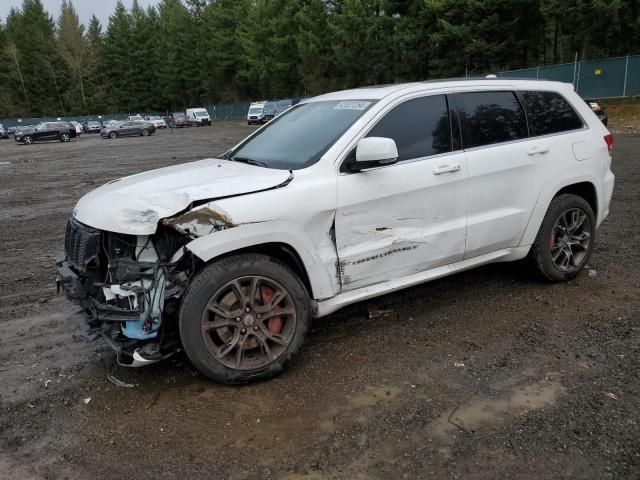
65 137
262 312
145 132
566 238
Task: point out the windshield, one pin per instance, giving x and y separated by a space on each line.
255 110
269 108
302 135
202 113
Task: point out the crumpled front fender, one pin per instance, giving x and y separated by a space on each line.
208 247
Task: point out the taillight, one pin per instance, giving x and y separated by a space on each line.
609 141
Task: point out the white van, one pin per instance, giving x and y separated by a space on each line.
254 115
198 116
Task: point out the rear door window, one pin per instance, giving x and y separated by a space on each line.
420 127
549 112
487 118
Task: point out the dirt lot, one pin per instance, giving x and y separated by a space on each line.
486 374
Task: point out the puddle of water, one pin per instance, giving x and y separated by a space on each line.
373 395
475 414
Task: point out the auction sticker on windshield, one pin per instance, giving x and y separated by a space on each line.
352 105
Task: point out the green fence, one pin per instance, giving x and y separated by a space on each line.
610 77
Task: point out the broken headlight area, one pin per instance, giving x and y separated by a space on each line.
127 286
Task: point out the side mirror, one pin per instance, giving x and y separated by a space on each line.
374 152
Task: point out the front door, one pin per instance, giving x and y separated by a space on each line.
407 217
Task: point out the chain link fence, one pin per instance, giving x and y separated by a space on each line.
606 78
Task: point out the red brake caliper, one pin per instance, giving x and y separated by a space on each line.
274 324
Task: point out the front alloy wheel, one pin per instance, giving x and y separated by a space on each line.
243 318
28 140
248 322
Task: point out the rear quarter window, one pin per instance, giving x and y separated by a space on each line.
487 118
549 112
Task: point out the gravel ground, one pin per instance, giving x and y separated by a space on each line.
486 374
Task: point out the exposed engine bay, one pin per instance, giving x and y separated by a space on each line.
128 287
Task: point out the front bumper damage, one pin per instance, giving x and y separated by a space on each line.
127 290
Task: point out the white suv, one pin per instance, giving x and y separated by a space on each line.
344 197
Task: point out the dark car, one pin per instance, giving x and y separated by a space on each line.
269 111
60 131
129 129
598 110
92 127
282 105
179 119
3 132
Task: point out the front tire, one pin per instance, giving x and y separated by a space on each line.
566 238
65 137
27 140
145 133
243 318
113 135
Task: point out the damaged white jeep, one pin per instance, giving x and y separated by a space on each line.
344 197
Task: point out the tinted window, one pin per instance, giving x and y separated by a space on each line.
490 117
549 112
420 127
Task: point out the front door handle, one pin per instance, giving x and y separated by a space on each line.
538 150
446 169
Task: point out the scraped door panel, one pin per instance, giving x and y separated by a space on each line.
400 219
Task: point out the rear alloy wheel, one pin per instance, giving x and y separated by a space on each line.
113 135
566 238
27 140
145 132
65 138
243 318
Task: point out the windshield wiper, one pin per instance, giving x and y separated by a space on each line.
250 161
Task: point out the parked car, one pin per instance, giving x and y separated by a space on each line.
269 111
78 127
198 116
92 126
599 111
17 128
281 106
134 118
60 131
158 122
129 129
254 115
3 132
375 189
179 120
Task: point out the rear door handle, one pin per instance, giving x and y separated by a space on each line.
538 150
446 169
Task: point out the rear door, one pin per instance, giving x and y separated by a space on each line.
503 166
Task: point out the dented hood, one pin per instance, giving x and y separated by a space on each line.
134 205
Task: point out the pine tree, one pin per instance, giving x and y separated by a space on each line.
117 61
72 47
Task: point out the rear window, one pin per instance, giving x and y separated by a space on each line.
420 127
549 112
490 117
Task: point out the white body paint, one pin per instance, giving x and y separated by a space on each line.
365 234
